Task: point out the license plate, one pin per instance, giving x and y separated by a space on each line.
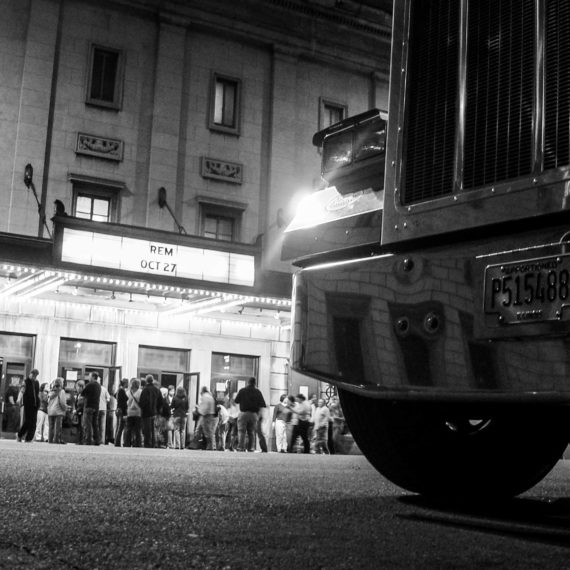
528 291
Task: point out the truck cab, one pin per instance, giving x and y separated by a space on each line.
433 282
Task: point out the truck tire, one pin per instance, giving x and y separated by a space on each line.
436 451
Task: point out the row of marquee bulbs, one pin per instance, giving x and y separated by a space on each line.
148 287
200 319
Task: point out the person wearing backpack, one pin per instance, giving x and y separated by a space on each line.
57 408
133 426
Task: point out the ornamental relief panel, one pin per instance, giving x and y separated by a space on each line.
222 170
101 147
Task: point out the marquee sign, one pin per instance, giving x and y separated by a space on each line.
156 258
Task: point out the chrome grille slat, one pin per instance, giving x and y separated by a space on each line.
500 90
557 80
431 136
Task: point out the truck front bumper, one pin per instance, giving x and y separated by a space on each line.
440 324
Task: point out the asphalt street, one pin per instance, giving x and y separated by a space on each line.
65 506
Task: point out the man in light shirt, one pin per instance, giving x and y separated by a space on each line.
281 415
208 419
104 399
302 411
321 419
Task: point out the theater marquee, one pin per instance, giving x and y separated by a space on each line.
156 258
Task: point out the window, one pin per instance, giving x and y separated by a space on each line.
225 104
331 113
86 351
218 227
168 365
91 208
105 86
230 373
94 199
220 222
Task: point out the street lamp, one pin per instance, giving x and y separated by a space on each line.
29 182
163 203
28 175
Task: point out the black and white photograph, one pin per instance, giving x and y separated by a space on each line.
284 284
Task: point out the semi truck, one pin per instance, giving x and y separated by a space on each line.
433 272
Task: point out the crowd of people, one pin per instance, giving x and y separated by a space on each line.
299 424
142 414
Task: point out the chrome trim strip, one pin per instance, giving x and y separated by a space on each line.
538 139
432 395
462 100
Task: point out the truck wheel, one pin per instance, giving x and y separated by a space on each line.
466 456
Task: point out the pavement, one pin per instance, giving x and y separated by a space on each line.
69 506
80 508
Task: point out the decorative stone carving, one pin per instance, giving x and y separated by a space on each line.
222 170
101 147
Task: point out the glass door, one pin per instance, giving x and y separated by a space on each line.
13 373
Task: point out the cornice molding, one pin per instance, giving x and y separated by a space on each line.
311 27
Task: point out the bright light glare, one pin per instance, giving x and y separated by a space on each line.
307 213
329 205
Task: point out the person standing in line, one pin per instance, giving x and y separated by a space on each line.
302 411
231 428
104 399
133 428
11 418
169 420
92 397
293 421
251 404
312 432
30 405
180 407
79 403
337 429
111 424
281 415
150 403
208 420
42 426
164 413
57 408
321 418
121 411
221 427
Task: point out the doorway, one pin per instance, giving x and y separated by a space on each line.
168 366
16 357
230 373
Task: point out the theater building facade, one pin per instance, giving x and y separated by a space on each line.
152 155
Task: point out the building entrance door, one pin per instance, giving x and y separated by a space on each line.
166 379
16 356
110 376
13 371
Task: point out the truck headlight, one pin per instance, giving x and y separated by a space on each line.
354 151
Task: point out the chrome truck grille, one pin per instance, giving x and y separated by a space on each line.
486 79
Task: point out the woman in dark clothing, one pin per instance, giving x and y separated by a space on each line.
180 408
121 411
79 404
